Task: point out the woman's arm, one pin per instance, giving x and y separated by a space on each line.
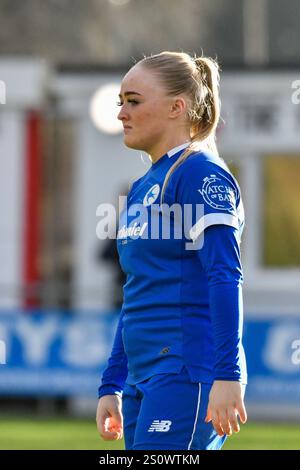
109 416
220 258
115 374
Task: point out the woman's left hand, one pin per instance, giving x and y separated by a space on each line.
226 403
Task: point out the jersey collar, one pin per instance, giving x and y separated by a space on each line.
177 149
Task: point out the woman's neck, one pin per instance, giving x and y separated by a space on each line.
161 150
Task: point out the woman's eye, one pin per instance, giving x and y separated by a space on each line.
119 103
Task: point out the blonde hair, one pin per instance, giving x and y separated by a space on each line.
198 78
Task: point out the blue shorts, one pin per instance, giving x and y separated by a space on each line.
167 411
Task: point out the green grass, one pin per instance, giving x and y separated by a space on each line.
82 434
52 434
272 436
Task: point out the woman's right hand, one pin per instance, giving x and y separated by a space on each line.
109 417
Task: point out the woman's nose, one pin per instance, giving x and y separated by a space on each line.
122 115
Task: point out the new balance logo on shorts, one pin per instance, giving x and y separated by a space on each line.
160 426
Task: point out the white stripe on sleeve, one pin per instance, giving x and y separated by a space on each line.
212 219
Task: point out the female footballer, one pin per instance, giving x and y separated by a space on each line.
176 375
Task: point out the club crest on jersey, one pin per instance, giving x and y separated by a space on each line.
151 195
216 193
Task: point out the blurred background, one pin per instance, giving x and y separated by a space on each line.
62 155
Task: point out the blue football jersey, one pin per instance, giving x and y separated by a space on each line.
181 255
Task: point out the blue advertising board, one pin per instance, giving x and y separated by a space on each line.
65 354
272 347
53 353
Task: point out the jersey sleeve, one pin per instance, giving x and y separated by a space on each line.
209 192
220 258
115 374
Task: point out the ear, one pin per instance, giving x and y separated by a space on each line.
177 107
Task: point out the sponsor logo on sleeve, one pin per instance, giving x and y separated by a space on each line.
217 194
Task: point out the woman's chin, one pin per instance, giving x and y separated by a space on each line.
131 143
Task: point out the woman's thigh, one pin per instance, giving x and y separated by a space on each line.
131 403
168 412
